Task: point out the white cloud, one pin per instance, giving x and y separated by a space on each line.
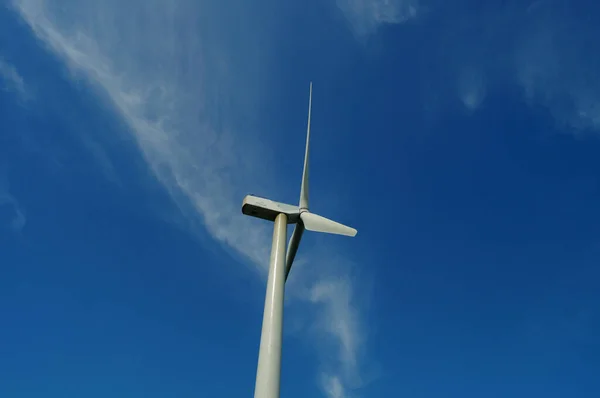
471 88
548 49
173 70
339 319
154 73
556 63
332 386
12 214
12 79
366 15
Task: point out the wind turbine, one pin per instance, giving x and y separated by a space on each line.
268 372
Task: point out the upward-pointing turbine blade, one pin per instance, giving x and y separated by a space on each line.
316 223
304 186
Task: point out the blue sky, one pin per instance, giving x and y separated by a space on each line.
459 138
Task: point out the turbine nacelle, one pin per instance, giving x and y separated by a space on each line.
268 209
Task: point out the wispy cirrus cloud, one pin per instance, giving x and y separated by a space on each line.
471 86
181 73
164 83
556 61
12 215
365 16
340 321
13 81
547 48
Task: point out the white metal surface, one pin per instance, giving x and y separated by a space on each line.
268 372
304 187
268 209
292 248
316 223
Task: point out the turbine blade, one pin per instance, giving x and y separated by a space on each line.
316 223
304 186
293 248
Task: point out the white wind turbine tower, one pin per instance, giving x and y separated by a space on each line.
268 371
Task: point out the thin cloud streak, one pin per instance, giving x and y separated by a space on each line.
365 16
332 386
471 88
192 160
12 214
556 63
13 81
16 219
340 320
172 87
548 49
